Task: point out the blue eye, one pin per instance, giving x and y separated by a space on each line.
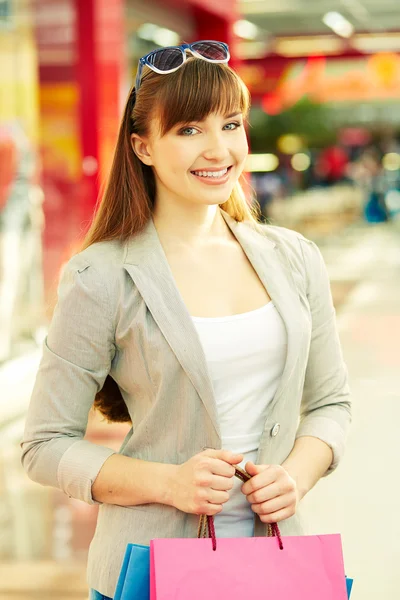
182 131
236 125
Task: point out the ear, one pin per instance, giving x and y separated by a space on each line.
140 147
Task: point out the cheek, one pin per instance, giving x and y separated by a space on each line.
241 148
245 145
175 158
170 166
242 158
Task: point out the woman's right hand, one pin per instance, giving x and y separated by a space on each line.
202 484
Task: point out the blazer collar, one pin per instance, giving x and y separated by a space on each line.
146 263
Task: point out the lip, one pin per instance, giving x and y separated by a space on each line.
212 169
213 181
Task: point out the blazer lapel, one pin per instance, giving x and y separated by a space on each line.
147 264
271 265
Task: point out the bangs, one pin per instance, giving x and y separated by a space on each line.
198 89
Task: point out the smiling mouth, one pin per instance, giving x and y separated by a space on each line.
212 174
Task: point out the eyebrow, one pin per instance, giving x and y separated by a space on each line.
234 114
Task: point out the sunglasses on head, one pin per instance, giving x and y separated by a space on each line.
171 58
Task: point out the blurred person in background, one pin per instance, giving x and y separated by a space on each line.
211 333
21 222
331 165
267 188
369 173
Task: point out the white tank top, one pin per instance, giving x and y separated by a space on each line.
246 355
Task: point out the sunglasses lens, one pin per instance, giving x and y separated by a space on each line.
166 59
211 50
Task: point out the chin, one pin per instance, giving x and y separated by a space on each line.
218 197
215 201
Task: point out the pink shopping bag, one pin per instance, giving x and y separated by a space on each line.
308 568
289 568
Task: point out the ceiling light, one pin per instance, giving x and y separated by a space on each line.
147 31
245 29
160 35
263 7
338 24
306 45
387 42
166 37
252 49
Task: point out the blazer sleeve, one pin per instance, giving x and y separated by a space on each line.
77 355
326 407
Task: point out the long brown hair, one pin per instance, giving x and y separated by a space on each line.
189 94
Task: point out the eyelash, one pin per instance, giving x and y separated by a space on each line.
237 123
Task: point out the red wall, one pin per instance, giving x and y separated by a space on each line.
81 67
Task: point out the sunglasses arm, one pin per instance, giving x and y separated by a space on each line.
138 75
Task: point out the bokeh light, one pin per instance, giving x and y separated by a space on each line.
301 162
262 163
391 161
290 144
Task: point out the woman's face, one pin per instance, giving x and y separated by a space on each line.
198 162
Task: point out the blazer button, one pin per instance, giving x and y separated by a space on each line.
275 430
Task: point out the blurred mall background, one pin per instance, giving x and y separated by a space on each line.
325 160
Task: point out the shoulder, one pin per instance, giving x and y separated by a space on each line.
98 268
102 257
299 250
282 235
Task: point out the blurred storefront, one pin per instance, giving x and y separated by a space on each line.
87 54
66 69
20 195
326 119
68 66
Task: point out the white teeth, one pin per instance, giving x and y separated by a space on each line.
214 174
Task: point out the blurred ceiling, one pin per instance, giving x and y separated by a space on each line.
293 28
305 17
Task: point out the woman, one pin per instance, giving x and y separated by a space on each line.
212 333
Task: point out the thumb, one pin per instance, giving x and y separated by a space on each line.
253 469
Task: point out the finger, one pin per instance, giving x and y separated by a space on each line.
267 477
221 468
216 497
273 506
211 509
223 484
225 455
278 516
254 469
268 492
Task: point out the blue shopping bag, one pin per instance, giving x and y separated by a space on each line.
134 578
349 583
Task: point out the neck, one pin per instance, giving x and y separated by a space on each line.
190 226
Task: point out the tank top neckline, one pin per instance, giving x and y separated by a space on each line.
234 317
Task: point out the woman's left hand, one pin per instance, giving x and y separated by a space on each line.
271 491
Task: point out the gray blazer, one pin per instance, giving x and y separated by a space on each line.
120 312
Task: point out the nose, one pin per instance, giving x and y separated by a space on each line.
216 148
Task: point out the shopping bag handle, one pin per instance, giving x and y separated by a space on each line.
207 526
